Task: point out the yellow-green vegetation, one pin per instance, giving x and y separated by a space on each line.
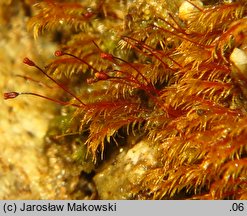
153 94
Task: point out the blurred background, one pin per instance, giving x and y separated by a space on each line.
24 165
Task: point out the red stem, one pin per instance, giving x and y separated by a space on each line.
31 63
81 60
184 38
63 103
150 50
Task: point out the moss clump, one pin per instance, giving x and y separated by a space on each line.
165 72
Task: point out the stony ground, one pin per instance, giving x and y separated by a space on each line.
24 120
